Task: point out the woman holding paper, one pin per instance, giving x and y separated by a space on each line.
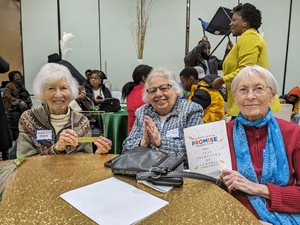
47 129
265 151
160 122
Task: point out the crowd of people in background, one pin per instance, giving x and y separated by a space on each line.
265 150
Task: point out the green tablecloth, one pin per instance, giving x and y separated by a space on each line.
116 129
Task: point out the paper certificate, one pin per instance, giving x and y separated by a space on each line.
207 148
113 202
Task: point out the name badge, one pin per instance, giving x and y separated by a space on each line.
43 135
173 133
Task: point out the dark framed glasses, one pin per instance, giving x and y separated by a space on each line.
163 88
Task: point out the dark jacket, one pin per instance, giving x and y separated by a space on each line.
90 93
194 58
6 139
13 94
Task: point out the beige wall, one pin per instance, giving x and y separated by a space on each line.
10 38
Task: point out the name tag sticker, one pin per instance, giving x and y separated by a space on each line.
173 133
43 135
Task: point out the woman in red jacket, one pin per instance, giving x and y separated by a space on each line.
265 151
133 92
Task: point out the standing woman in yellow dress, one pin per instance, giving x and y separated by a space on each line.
250 49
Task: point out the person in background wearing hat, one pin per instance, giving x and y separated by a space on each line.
293 97
201 92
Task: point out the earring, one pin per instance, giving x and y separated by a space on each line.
244 24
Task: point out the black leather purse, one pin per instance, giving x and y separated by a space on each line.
155 166
110 105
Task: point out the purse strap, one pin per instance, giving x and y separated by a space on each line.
197 176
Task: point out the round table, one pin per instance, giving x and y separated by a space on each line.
32 195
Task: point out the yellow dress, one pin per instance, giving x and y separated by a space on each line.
250 49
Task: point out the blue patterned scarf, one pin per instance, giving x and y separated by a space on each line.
275 167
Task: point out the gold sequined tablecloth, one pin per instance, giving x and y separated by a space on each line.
32 195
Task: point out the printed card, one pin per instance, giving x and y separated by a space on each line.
207 148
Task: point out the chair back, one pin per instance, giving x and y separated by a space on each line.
285 112
116 94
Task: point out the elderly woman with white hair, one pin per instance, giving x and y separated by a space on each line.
160 122
47 129
265 151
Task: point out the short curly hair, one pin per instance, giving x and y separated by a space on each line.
250 14
164 74
49 73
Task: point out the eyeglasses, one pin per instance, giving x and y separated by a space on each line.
259 90
163 88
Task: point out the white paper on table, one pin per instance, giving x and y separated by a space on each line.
112 201
160 188
207 148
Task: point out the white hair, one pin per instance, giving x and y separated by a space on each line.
252 71
52 72
164 74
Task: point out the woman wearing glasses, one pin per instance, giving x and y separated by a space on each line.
100 91
265 151
160 122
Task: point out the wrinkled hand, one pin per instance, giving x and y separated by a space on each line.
152 131
217 83
205 39
235 181
67 137
145 142
23 105
103 145
81 96
81 93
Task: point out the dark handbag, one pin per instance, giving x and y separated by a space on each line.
155 166
110 105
